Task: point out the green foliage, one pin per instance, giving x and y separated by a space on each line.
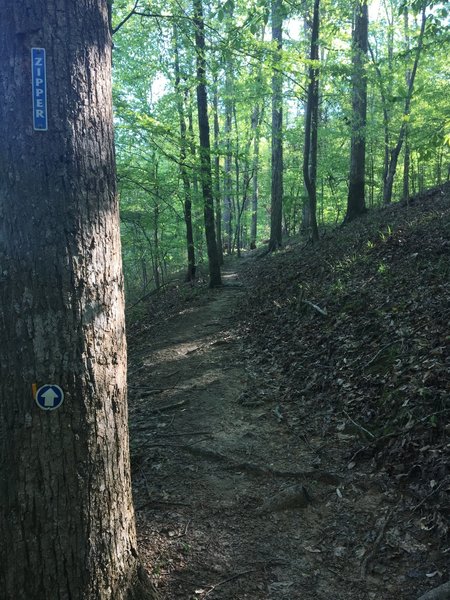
240 67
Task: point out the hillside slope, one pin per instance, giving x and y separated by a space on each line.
289 431
353 336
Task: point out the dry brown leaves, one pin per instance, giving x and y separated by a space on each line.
380 357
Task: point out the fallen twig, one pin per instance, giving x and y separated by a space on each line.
149 391
433 491
321 311
163 445
358 425
382 349
169 406
232 578
188 433
185 529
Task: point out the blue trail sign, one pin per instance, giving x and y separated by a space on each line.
39 83
49 397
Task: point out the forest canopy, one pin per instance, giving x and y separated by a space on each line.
258 65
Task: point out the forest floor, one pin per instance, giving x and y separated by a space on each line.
289 431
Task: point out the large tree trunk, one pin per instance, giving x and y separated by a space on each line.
356 203
311 125
66 517
277 129
205 148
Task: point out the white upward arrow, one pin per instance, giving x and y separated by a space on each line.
49 398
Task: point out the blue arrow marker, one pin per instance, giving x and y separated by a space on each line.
49 397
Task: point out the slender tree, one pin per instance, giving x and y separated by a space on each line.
187 208
228 213
275 241
228 182
395 151
311 124
205 148
356 203
66 517
256 126
257 119
217 194
407 153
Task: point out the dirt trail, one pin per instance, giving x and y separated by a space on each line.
232 503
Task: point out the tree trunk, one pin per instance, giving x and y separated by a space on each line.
217 194
311 125
237 187
256 120
407 153
247 177
356 203
189 102
386 117
227 182
275 241
395 152
66 516
205 148
187 208
157 263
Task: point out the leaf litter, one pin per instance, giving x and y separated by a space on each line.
337 361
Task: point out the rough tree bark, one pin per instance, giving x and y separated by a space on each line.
205 148
275 241
311 124
356 203
66 517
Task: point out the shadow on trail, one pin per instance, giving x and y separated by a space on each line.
204 463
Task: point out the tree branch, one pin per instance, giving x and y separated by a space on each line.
133 12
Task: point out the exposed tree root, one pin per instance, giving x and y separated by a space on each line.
141 588
314 474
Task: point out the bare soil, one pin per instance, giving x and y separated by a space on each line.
235 499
